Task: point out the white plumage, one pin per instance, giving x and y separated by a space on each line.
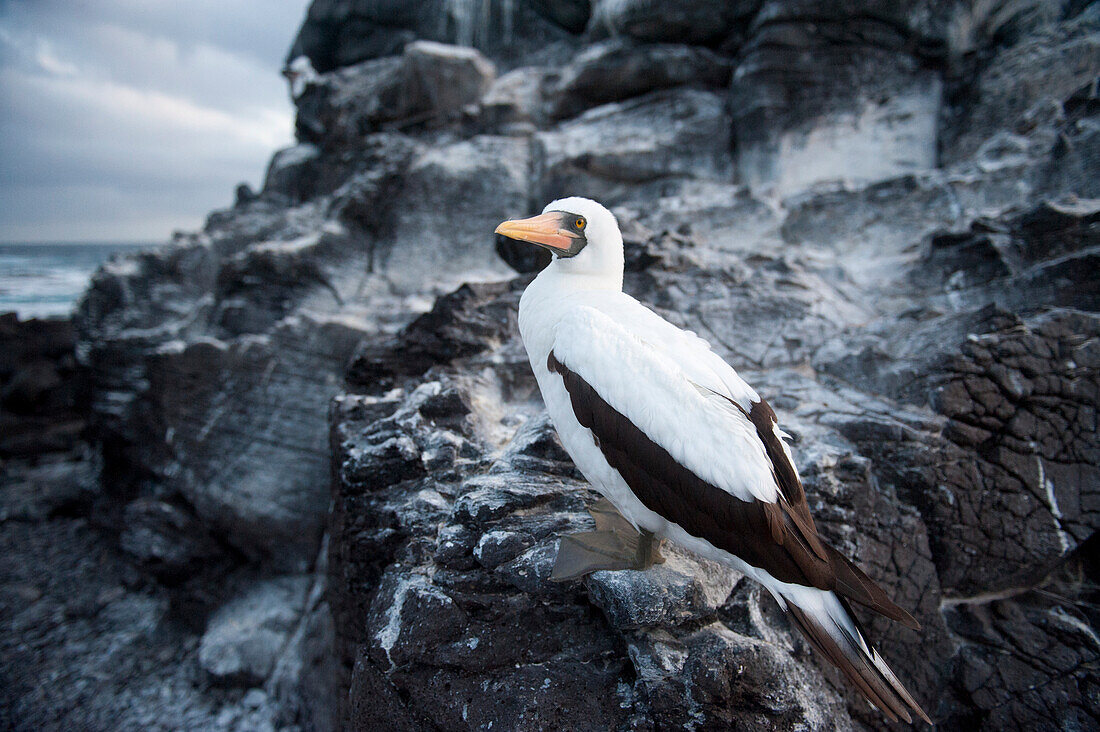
661 390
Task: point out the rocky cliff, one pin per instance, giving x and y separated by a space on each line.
323 449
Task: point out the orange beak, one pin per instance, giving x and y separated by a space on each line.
547 230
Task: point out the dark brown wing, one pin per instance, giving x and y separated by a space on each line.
779 538
790 486
851 582
762 534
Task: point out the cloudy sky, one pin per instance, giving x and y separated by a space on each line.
126 119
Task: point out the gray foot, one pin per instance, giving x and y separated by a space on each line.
614 545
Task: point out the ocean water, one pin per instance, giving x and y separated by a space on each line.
46 280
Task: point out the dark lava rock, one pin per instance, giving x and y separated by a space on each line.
1025 401
245 637
293 170
682 21
340 33
615 70
1014 644
448 618
43 393
462 323
427 82
879 213
86 644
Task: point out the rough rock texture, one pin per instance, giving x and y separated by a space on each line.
838 90
608 151
339 33
427 83
881 214
616 69
90 643
244 637
442 547
93 639
42 393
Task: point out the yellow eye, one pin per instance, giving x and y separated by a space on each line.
580 223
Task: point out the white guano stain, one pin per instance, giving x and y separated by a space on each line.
1048 485
390 632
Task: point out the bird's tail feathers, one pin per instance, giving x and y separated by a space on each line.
828 624
853 584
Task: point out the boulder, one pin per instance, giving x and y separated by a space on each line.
452 198
514 101
676 21
43 393
338 33
442 79
245 637
615 70
835 93
428 83
293 170
254 456
610 151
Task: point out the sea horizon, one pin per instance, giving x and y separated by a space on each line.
45 279
83 242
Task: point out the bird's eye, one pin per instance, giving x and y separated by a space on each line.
581 223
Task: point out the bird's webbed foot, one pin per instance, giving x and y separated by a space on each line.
615 544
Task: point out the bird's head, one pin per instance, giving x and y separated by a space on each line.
583 236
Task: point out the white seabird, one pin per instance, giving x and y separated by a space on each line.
681 446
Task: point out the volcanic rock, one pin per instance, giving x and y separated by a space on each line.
245 637
43 393
615 70
880 214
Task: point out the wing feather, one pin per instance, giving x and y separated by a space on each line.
652 390
719 470
705 453
695 463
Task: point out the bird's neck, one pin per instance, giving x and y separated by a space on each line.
561 276
548 298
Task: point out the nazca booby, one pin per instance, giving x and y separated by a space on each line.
681 446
